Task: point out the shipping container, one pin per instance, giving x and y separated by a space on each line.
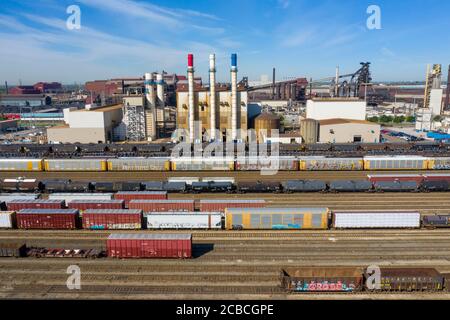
21 185
106 219
96 204
273 163
436 220
162 205
16 205
220 205
397 186
439 163
67 197
183 220
395 163
7 220
139 164
276 218
127 196
85 164
258 186
7 197
47 219
395 177
321 163
322 279
409 279
149 245
291 186
202 164
10 164
375 219
350 186
15 249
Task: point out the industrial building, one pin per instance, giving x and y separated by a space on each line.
348 131
346 108
87 126
221 108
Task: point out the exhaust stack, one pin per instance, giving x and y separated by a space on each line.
151 103
212 94
234 100
160 94
190 71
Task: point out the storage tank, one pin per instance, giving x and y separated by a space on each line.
309 130
264 123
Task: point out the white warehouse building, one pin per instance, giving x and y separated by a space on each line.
343 108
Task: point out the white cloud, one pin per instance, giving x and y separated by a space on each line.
297 38
284 3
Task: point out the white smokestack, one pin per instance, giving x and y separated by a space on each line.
212 94
336 88
234 97
190 72
151 99
160 94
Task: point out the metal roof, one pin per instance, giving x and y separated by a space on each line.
152 236
113 211
233 201
48 211
96 201
160 201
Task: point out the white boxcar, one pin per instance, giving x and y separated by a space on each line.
67 197
439 163
206 164
11 164
375 219
402 162
267 163
320 163
75 164
139 164
184 220
7 197
188 180
7 219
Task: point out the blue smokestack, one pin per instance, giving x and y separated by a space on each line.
234 60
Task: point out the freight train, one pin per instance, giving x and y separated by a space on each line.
282 163
245 217
373 183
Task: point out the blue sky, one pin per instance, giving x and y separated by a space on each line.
299 37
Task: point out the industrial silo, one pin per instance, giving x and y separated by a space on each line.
309 130
264 124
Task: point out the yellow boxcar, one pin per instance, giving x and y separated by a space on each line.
439 163
276 218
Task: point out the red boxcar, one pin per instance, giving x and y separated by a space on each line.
395 177
162 205
19 204
104 219
146 245
96 204
47 219
127 196
222 204
436 176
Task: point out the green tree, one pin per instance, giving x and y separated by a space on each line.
410 119
373 119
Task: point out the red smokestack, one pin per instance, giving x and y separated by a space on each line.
190 60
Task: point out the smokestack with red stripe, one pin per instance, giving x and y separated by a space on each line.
190 71
234 99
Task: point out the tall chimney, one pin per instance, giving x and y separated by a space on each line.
234 99
212 94
336 88
151 102
190 71
160 94
6 86
447 92
273 84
